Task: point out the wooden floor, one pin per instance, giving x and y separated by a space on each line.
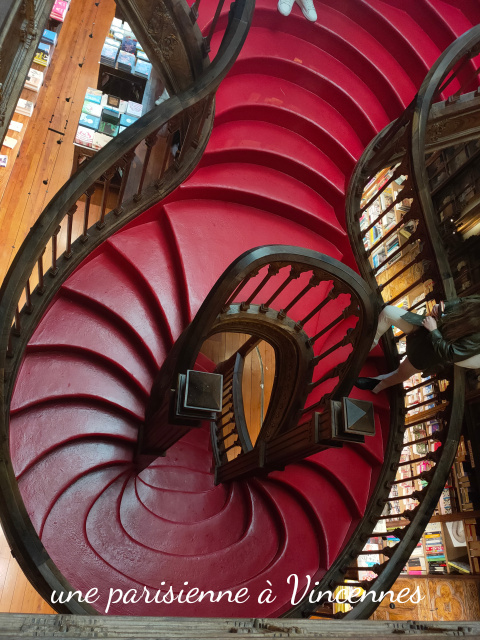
258 375
43 163
45 156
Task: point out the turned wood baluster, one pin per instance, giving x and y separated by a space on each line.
107 176
150 143
88 197
273 270
28 298
313 282
127 161
207 40
187 138
41 284
17 324
205 112
54 268
10 347
68 253
194 11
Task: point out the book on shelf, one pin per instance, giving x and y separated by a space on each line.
113 101
123 106
24 107
112 43
143 69
92 109
461 567
34 80
126 120
117 23
59 10
15 126
9 142
43 54
49 37
108 55
126 61
134 109
87 120
141 55
84 136
100 140
129 44
3 161
108 128
94 95
110 114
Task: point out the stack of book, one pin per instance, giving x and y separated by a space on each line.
105 115
84 136
24 107
49 37
134 109
92 109
126 61
130 55
143 68
34 80
109 55
59 10
100 140
435 552
129 44
43 55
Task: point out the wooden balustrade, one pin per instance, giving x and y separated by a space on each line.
421 261
65 227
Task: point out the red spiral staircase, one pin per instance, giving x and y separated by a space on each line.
292 118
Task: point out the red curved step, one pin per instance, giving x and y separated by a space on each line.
292 118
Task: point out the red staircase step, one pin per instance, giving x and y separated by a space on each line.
32 432
279 101
253 227
60 376
270 145
109 283
305 65
70 324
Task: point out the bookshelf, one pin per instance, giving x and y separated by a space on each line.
450 545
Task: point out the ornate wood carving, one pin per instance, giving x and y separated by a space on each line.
20 33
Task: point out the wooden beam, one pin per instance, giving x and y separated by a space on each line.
453 123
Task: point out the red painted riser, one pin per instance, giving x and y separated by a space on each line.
292 119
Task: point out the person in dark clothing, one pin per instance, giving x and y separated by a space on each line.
449 335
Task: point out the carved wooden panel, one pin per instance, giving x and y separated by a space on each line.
444 599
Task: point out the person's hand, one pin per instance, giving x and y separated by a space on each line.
435 313
430 323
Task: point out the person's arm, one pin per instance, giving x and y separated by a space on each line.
456 351
451 305
451 352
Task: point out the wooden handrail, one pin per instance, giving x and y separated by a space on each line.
448 402
40 251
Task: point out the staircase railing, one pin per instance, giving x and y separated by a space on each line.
64 234
420 260
286 296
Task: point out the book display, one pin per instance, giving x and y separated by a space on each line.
451 541
124 65
59 10
29 96
103 114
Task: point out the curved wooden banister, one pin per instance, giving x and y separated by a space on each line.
52 250
402 147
